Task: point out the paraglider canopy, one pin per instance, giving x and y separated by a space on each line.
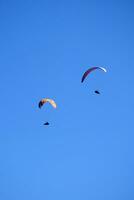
90 70
45 100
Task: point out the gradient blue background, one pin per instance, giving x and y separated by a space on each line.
87 152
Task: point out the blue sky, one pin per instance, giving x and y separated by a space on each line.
87 151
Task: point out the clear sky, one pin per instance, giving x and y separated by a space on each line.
87 151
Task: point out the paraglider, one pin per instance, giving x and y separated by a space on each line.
90 70
46 123
45 100
97 92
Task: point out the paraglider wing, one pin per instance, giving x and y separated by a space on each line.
90 70
43 101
